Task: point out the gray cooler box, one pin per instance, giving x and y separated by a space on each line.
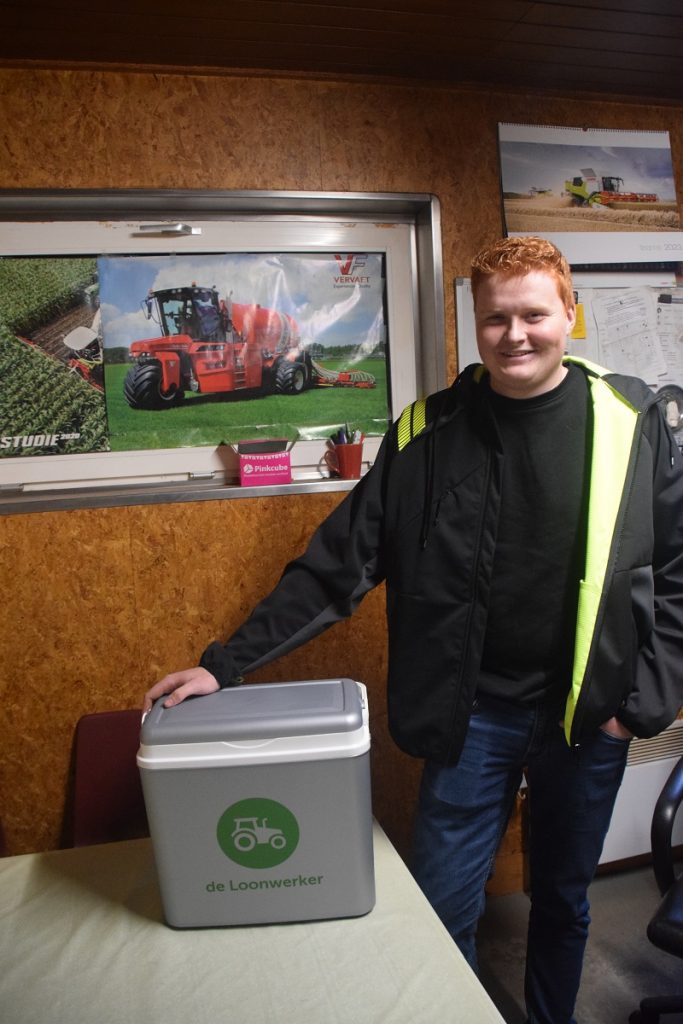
258 800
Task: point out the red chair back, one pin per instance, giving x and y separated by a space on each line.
107 794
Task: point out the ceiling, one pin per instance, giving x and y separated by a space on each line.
628 48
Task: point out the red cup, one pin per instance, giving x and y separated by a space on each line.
345 460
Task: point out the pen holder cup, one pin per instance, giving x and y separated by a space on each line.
345 460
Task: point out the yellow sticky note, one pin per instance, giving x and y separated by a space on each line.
580 325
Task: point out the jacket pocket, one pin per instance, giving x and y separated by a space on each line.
611 656
643 602
441 568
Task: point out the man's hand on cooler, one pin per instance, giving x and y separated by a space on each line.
190 682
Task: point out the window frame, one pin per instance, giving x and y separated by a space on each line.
419 367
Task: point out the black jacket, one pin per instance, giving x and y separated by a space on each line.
424 520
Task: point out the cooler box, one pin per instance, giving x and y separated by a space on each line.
258 800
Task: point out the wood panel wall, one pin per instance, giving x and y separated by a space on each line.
99 603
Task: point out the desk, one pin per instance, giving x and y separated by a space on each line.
82 941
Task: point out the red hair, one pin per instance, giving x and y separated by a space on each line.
516 256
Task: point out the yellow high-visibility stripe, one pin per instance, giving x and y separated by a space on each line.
614 424
412 422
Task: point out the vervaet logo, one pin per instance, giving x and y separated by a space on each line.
350 263
257 833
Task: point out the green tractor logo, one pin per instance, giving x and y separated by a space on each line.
258 833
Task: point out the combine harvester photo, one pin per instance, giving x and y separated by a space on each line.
590 189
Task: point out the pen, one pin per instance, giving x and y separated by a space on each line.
347 436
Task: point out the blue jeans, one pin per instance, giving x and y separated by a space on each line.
463 812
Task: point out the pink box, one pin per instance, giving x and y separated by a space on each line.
265 466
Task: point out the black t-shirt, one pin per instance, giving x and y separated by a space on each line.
528 647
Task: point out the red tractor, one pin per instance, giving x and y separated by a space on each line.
211 346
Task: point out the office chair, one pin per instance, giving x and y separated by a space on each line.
107 803
665 929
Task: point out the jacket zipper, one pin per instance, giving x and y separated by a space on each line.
475 575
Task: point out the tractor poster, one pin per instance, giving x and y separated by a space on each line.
603 196
207 349
51 367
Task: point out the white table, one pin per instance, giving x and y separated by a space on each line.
82 941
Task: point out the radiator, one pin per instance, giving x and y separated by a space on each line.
648 767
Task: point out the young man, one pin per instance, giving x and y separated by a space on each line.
528 522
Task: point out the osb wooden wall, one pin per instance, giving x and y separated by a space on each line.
99 603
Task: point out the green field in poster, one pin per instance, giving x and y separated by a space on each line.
213 419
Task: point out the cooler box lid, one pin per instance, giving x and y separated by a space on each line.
257 723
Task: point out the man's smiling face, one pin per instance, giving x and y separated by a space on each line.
522 326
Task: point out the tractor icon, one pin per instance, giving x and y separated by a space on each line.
248 833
